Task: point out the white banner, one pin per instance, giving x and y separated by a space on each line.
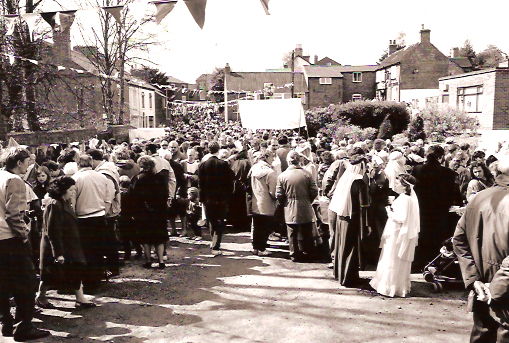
272 114
147 133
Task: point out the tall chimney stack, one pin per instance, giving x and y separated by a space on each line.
298 50
393 47
455 52
425 35
316 59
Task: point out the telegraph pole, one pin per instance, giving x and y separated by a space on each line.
293 73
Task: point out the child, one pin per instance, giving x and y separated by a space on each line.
193 212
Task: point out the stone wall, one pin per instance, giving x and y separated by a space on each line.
119 132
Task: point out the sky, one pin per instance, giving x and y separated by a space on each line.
239 32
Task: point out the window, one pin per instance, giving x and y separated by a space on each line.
356 97
325 81
150 100
469 98
142 99
357 77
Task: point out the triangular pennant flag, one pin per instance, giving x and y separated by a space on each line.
30 19
33 61
12 143
197 9
265 4
65 19
163 9
11 59
50 18
60 68
115 12
11 23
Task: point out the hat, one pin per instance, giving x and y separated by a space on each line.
449 140
356 159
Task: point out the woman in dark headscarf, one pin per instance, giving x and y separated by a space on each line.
62 257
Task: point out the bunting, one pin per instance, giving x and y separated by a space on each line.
66 19
197 9
115 11
163 8
265 5
30 19
50 18
11 23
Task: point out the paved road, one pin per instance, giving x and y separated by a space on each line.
242 298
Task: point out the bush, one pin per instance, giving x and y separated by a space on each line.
442 121
386 129
415 129
361 114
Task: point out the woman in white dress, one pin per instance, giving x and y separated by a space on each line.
399 240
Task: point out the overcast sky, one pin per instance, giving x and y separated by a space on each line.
239 32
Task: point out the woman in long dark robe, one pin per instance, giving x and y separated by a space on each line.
350 203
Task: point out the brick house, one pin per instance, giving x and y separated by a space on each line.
411 75
482 93
338 84
326 61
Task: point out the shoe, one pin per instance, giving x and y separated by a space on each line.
255 252
264 253
8 329
84 306
147 265
161 266
274 237
46 306
330 265
28 333
197 238
216 252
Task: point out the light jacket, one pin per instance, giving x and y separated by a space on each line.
263 185
13 204
481 239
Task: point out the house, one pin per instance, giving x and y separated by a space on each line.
411 75
463 62
142 107
482 93
338 84
326 61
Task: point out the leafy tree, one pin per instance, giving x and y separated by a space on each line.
467 50
151 75
490 57
386 129
416 129
287 59
217 85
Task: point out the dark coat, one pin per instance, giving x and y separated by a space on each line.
215 179
60 235
296 191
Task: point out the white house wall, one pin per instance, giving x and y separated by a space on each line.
486 101
417 97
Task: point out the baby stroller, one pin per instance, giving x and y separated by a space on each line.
444 269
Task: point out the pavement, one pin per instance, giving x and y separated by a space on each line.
238 297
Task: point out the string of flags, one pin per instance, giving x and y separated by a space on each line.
65 19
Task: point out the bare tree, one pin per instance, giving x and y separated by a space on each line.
110 44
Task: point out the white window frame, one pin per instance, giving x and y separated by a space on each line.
142 99
356 97
325 81
357 79
150 100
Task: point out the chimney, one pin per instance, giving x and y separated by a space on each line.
298 50
62 46
393 47
425 35
316 59
227 69
455 52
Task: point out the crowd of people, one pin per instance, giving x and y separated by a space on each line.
73 213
